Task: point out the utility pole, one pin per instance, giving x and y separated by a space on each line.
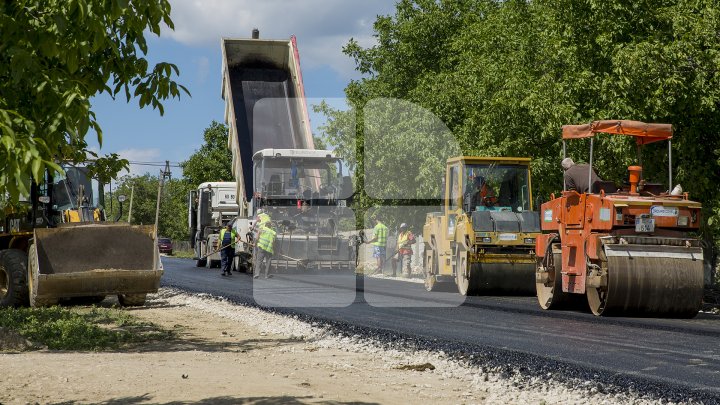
161 182
132 193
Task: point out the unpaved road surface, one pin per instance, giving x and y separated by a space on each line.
230 354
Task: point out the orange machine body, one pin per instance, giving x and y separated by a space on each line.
629 250
579 221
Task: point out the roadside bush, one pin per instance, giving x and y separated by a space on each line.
60 328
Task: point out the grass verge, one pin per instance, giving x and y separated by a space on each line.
78 328
183 254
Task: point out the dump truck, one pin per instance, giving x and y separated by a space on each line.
58 243
484 239
210 207
275 164
630 249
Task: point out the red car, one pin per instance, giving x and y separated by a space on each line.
165 245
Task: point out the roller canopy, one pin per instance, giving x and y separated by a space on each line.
644 133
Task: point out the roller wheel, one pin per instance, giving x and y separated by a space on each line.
33 273
551 295
430 269
463 278
13 278
132 300
649 286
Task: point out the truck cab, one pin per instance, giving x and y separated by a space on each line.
210 207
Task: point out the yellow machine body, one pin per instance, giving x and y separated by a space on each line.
488 247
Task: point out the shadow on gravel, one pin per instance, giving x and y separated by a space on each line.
281 400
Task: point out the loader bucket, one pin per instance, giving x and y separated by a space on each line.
95 259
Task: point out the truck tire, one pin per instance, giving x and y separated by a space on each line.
33 273
13 278
132 300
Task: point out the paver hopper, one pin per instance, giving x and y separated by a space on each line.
631 250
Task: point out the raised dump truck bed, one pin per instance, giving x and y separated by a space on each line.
264 103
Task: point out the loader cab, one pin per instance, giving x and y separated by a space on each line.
73 197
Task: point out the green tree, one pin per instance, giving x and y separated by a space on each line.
172 221
55 56
504 76
213 161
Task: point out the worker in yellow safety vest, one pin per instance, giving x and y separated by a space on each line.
261 218
379 242
404 250
265 249
228 237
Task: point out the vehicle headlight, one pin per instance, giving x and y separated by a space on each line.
487 240
529 241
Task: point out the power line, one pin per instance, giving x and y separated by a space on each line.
155 164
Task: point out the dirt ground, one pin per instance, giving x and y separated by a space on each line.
225 353
215 360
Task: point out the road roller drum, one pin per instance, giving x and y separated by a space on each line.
502 278
650 280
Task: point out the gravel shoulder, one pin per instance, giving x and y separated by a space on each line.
228 353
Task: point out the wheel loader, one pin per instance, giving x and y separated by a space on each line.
629 249
484 239
59 244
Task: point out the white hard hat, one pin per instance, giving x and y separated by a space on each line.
403 225
260 211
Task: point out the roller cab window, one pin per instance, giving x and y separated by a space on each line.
492 187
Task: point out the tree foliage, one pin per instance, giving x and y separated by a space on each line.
213 161
172 221
56 55
504 76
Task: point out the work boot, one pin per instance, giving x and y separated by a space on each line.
223 274
256 276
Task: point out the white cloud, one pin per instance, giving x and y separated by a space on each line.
322 27
144 156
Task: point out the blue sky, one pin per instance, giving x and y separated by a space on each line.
322 27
